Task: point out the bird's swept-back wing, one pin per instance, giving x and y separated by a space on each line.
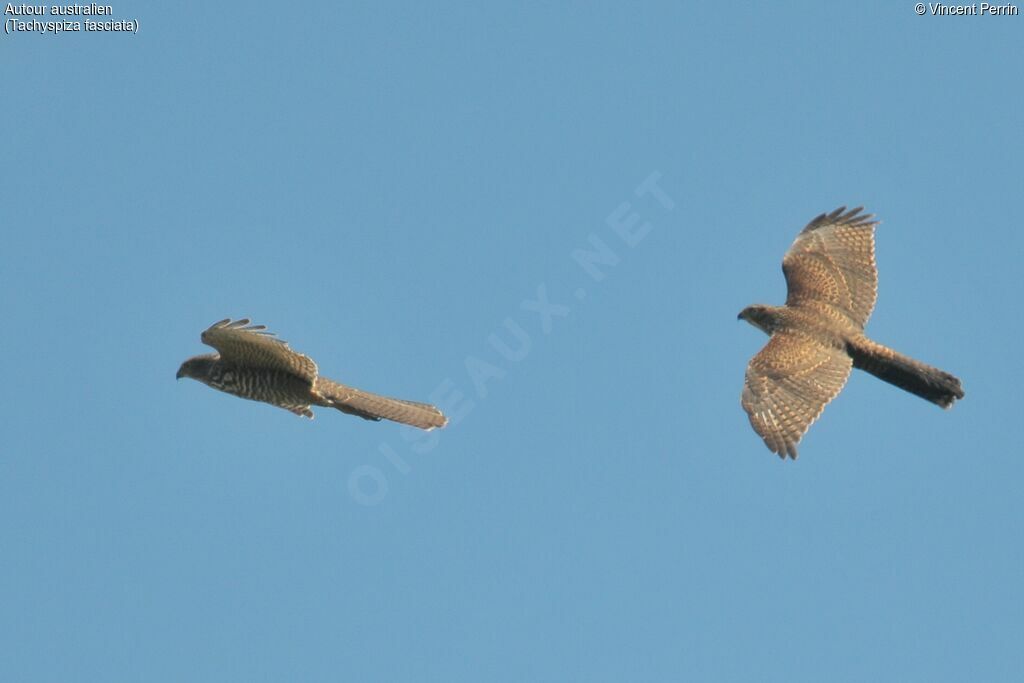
832 261
251 345
373 407
788 383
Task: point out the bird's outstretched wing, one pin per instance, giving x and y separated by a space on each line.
788 383
252 346
832 261
374 407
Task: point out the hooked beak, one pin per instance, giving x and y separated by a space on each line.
179 375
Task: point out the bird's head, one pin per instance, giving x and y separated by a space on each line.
760 316
197 367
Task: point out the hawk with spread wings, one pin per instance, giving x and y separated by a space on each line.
252 363
818 335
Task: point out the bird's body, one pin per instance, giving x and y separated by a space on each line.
254 365
818 335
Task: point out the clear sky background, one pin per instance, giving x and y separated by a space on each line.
385 186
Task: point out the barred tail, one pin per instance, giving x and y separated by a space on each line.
374 407
908 374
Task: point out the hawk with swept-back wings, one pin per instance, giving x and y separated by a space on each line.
818 335
253 364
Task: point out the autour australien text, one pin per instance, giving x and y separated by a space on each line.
26 18
58 10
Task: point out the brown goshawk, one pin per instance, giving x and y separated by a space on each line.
818 335
253 364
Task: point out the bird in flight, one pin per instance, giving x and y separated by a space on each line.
253 364
818 335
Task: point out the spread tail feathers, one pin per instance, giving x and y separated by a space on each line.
373 407
908 374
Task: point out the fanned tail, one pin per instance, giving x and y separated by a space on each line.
920 379
375 407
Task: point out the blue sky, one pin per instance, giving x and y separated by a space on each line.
388 186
